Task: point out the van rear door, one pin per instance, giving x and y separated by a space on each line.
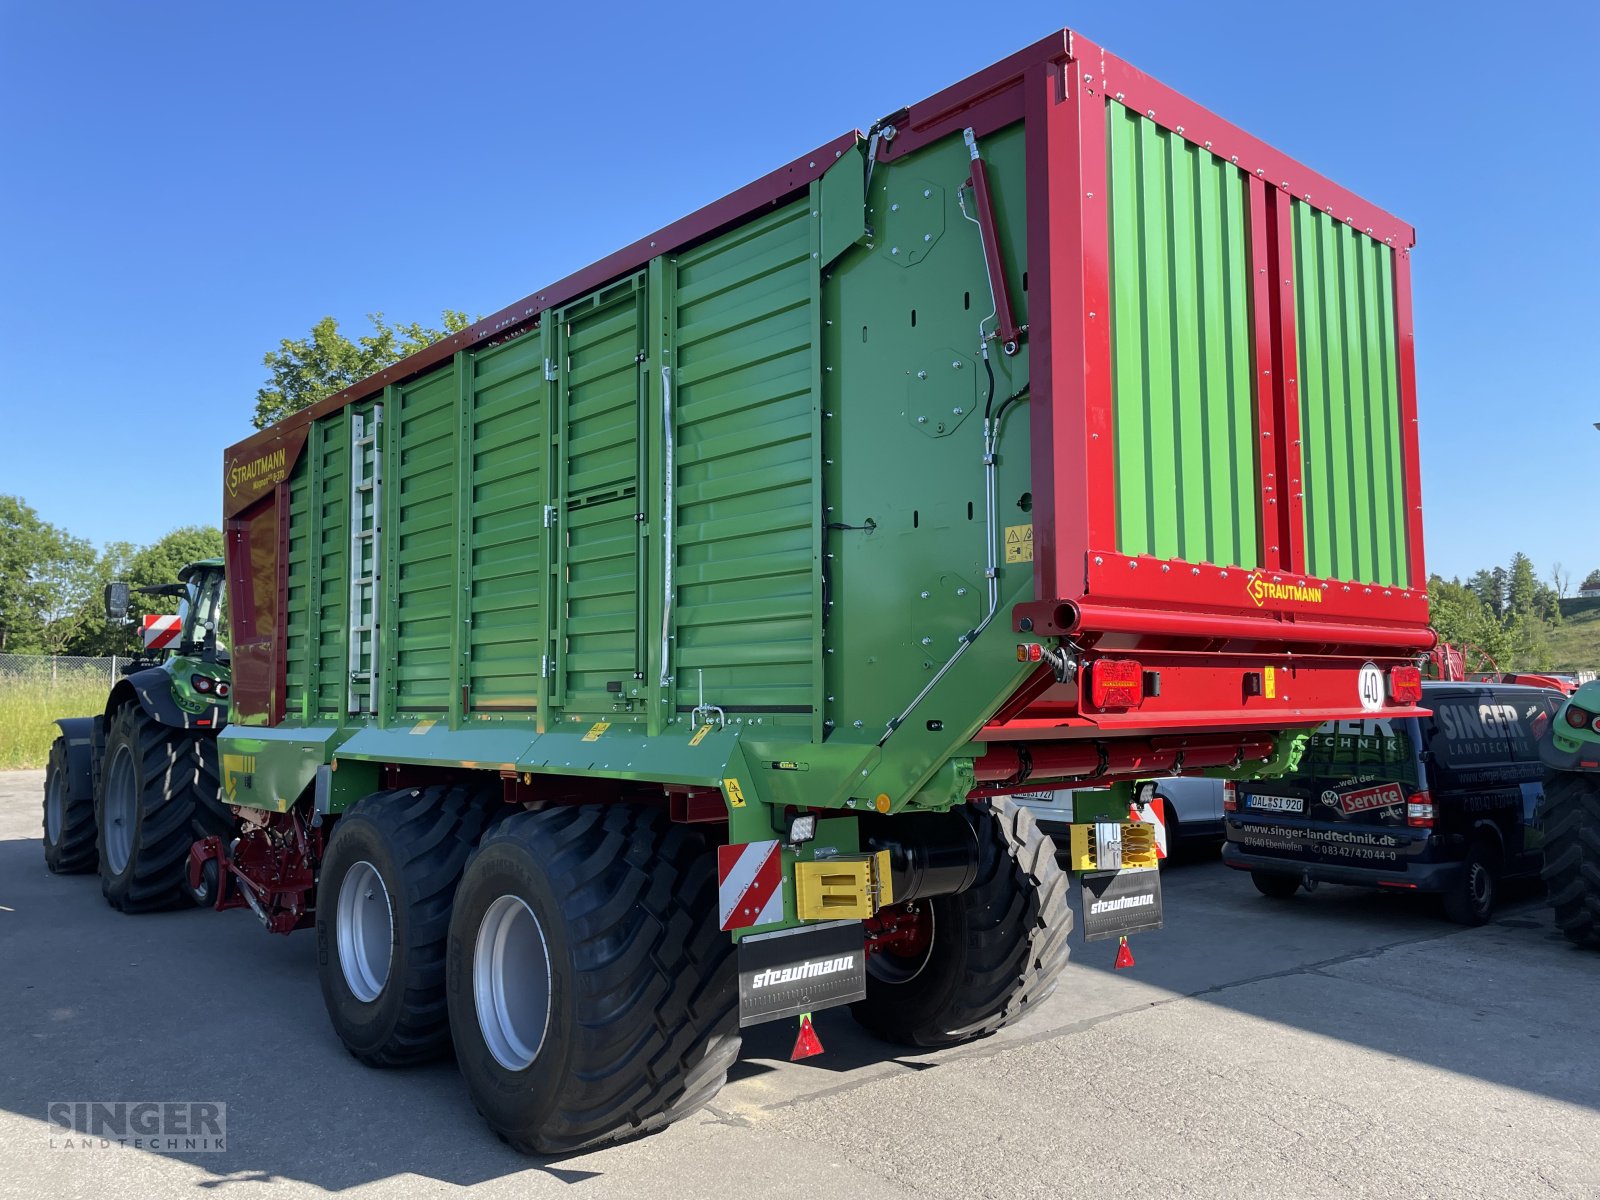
1346 805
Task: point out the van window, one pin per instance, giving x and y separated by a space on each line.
1533 718
1477 737
1360 751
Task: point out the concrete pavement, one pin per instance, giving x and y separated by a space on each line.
1342 1043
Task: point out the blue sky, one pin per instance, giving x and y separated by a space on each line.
183 184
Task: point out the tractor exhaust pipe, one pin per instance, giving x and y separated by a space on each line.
930 854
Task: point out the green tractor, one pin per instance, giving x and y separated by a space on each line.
1571 754
129 791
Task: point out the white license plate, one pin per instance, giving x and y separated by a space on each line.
1279 804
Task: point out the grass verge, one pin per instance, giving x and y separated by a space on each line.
28 709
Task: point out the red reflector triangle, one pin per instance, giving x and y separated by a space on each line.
1124 955
806 1044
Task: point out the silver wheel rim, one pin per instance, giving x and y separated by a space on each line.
364 925
55 807
892 968
511 982
121 809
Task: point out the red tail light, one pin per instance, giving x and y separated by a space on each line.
1419 811
1116 683
1405 685
1576 717
1230 796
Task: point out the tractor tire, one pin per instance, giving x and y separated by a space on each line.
69 835
149 813
1572 855
996 950
388 880
592 995
213 817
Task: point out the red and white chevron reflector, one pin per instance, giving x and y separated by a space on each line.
750 884
161 631
1154 813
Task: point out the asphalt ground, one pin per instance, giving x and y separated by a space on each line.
1343 1043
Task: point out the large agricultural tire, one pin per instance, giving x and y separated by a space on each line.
996 949
1572 855
69 833
150 811
592 995
383 911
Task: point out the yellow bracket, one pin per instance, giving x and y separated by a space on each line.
1138 840
850 887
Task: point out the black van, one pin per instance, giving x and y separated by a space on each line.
1447 803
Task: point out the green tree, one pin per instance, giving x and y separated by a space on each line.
1489 586
1461 618
305 370
1522 592
156 563
44 572
1592 579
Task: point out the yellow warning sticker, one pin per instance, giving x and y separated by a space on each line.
1019 543
596 730
735 792
1269 686
233 766
423 726
700 736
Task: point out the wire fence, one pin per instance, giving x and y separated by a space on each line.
36 689
50 670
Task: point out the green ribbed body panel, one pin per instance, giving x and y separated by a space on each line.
505 571
746 605
1184 405
1355 520
420 491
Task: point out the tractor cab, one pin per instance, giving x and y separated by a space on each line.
198 630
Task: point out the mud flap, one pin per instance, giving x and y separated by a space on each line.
803 970
1117 903
79 734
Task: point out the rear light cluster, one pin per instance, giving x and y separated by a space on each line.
1230 796
1116 683
1405 685
208 686
1580 718
1419 811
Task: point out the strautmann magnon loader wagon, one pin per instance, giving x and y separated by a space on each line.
657 655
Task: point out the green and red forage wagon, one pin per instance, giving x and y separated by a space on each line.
657 655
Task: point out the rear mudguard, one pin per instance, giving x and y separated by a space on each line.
78 733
